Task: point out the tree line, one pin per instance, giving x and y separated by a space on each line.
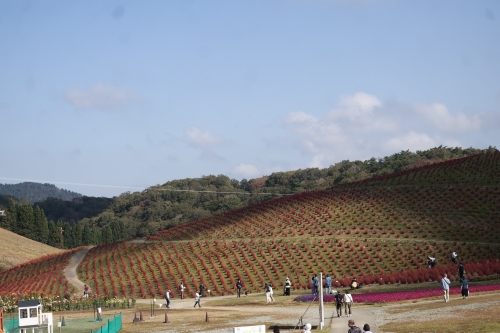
30 221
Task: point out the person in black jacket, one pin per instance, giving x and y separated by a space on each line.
352 327
461 271
239 286
339 300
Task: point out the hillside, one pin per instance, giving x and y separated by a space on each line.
180 201
17 249
380 230
34 192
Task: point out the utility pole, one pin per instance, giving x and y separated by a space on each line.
321 309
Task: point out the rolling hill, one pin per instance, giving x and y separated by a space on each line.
181 201
17 249
379 229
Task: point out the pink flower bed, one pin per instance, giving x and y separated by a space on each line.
396 296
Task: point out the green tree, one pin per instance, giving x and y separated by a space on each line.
55 238
26 223
12 212
107 235
41 226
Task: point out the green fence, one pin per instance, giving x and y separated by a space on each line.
112 326
9 323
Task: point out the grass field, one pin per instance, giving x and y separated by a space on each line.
17 249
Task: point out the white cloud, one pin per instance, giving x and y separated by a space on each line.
245 171
412 141
439 115
201 139
100 97
362 126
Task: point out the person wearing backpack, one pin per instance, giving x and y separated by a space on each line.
339 299
167 299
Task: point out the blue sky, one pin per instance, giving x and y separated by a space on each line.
122 95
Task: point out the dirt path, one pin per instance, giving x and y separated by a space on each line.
70 271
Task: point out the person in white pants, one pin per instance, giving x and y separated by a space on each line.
268 293
347 303
445 282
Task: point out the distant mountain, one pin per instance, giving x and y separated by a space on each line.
34 192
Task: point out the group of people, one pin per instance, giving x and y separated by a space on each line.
352 328
345 300
464 283
197 296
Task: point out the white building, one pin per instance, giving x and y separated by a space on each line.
31 316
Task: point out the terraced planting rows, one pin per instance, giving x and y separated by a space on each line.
476 170
432 212
148 269
379 230
42 275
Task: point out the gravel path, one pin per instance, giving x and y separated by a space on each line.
382 316
70 271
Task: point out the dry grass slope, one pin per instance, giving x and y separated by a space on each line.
17 249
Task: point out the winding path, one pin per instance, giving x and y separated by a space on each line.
70 271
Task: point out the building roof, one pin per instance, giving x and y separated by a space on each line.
28 304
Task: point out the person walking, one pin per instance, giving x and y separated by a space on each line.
454 257
271 294
347 303
181 290
268 293
288 285
328 284
352 327
339 299
167 299
197 298
239 286
366 328
465 288
445 283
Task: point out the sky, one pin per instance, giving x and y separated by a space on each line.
105 97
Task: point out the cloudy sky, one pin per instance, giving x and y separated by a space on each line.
103 97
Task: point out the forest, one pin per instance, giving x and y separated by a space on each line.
31 222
